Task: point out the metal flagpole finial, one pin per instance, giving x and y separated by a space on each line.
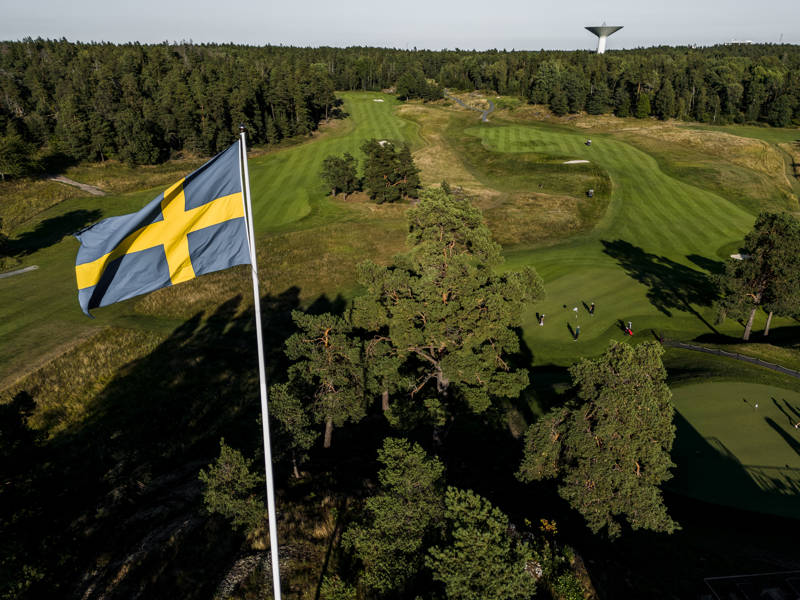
242 128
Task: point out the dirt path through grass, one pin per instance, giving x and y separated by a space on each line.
89 189
485 112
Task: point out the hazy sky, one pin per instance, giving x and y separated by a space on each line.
433 24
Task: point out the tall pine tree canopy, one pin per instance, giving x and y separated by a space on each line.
610 448
445 313
399 518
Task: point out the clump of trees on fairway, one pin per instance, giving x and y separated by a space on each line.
340 174
768 274
389 172
610 447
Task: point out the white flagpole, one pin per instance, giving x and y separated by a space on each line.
262 373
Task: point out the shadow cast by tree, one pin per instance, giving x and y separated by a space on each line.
123 484
714 267
51 231
672 286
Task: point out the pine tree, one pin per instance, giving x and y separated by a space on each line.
389 544
234 490
447 316
294 430
327 375
768 274
339 173
643 105
481 557
407 173
610 449
665 101
558 102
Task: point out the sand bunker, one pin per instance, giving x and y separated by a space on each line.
575 162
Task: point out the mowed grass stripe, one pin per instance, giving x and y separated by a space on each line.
286 186
664 221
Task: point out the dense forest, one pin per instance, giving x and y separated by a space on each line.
142 103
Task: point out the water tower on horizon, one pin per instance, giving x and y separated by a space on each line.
602 32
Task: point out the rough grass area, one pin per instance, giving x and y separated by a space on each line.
749 172
23 199
65 387
307 264
438 159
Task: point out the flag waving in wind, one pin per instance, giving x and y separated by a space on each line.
195 227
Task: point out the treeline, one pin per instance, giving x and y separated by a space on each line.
720 84
140 103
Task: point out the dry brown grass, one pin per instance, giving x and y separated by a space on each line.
750 153
531 218
437 160
515 218
793 150
23 199
64 342
316 261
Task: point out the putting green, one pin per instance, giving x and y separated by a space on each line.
645 262
737 445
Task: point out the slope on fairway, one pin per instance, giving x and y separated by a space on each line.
737 445
644 262
286 186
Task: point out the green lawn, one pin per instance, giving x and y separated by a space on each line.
647 261
737 445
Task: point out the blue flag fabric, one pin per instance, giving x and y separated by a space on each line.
194 227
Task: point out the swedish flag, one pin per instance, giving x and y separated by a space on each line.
195 227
